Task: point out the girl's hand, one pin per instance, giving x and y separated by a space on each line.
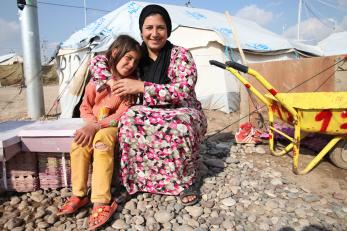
128 87
85 135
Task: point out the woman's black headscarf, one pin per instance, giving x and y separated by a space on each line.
156 71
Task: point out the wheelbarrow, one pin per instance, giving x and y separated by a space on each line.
308 112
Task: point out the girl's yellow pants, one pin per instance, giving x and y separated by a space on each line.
103 164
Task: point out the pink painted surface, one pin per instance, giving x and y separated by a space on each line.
52 128
46 144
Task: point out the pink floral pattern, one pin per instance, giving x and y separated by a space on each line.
99 71
160 139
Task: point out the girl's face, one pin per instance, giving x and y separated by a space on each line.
128 63
154 32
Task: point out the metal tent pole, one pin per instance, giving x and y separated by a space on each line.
32 59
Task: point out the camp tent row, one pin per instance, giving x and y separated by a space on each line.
205 33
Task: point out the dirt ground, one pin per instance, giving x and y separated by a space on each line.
325 180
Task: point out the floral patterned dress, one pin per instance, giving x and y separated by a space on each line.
160 139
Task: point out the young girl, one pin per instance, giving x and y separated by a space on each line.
101 110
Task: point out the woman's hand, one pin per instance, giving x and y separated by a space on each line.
85 135
127 87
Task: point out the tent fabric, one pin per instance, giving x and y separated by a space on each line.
335 44
10 59
72 81
125 20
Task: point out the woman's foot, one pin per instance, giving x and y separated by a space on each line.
72 205
191 195
101 214
189 199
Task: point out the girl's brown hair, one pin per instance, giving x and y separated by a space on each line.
122 45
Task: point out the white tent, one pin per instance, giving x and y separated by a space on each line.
10 59
335 44
206 33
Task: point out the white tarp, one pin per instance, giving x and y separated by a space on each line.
10 59
206 33
335 44
125 20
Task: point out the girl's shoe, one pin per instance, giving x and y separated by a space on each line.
101 214
72 205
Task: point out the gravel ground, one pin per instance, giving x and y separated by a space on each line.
237 194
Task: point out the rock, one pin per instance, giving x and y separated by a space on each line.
15 201
339 196
311 198
235 189
22 205
264 226
192 222
260 150
217 163
119 224
276 181
13 223
37 196
216 220
40 213
82 214
301 213
228 224
42 225
163 216
138 220
170 198
51 219
18 229
65 193
130 205
184 228
207 204
252 218
194 211
228 202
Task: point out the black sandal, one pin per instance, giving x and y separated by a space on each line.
193 190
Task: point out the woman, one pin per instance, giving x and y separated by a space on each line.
160 139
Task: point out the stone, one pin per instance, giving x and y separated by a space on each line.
260 150
15 201
276 181
339 196
163 216
184 228
37 197
13 223
217 163
194 211
311 198
119 224
42 225
228 202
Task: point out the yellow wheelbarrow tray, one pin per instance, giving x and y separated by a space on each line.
307 112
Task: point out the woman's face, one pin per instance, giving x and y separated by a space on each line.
128 63
154 32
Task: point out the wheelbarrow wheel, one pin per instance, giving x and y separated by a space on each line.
339 155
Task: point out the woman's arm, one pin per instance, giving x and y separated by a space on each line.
183 75
99 71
